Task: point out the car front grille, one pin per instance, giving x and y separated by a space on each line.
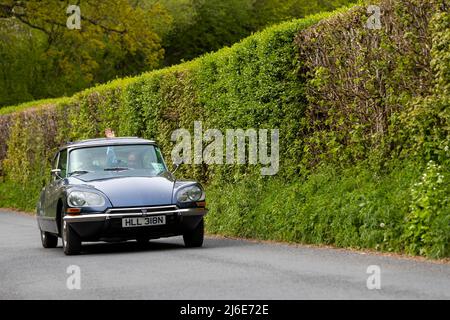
143 210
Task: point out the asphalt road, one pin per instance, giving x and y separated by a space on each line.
222 269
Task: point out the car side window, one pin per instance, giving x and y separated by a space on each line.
55 166
55 161
62 163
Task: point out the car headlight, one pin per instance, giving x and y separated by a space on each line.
85 199
192 193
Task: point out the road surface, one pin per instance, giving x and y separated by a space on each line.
222 269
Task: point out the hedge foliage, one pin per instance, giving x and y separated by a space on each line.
361 114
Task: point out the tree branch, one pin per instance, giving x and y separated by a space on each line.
28 23
102 26
7 11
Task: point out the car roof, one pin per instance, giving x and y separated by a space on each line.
107 142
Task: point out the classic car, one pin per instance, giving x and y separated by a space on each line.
117 189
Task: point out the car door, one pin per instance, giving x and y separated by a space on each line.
46 221
53 190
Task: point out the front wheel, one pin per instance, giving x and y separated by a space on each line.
48 240
71 241
194 238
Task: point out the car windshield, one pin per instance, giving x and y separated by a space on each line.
140 159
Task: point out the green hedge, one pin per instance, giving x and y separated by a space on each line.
362 115
251 85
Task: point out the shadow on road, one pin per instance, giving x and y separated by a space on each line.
127 247
133 246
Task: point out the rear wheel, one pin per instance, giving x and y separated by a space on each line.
71 241
194 238
49 240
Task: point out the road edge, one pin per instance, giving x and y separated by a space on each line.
401 256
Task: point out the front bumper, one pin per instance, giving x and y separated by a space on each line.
186 212
108 225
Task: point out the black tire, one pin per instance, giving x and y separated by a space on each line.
49 240
194 238
71 241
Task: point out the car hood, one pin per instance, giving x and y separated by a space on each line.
135 191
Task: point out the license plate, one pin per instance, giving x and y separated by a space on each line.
143 221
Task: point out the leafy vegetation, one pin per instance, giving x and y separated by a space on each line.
353 207
427 229
208 25
361 114
116 40
42 58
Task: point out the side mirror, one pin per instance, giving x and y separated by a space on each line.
56 173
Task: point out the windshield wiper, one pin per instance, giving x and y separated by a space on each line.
78 172
116 169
